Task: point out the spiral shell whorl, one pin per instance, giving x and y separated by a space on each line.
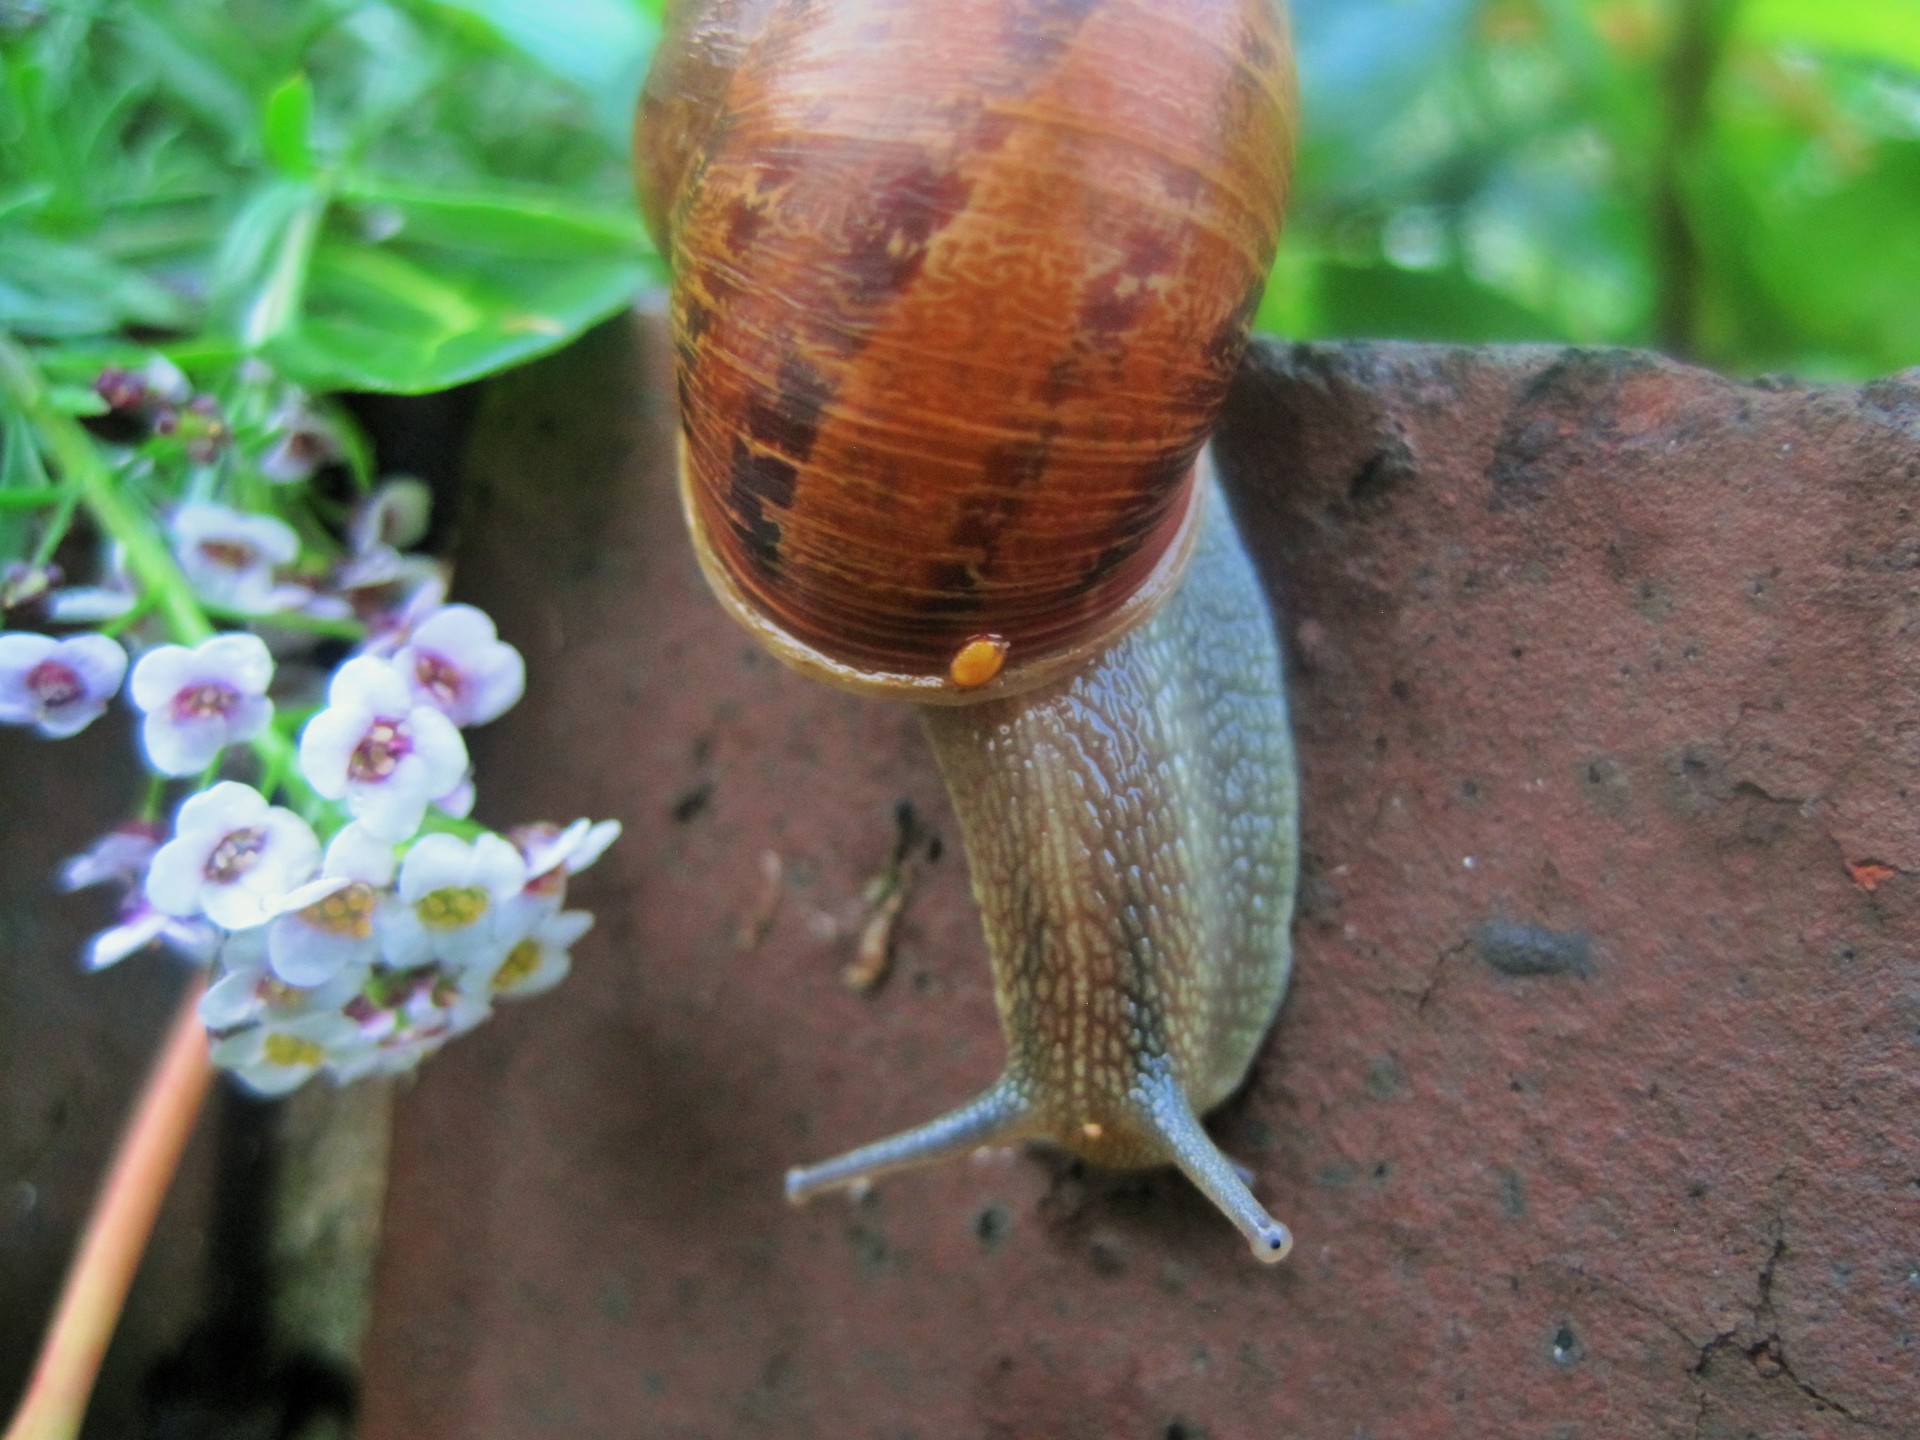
958 292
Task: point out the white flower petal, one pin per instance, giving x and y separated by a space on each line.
435 862
70 719
233 907
456 630
292 853
327 745
177 872
113 945
458 802
231 1000
251 715
439 748
373 684
593 845
21 650
181 747
86 605
403 939
303 955
100 663
159 675
358 854
226 806
240 659
497 866
391 811
566 928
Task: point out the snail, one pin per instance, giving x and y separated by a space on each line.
958 292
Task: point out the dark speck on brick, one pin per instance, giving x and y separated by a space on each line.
1514 948
692 802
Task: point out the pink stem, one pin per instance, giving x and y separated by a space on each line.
116 1233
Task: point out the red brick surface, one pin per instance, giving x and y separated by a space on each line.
1596 1107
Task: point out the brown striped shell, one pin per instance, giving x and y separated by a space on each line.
959 286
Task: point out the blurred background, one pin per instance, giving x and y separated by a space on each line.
404 194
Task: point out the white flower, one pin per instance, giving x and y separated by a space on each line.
540 961
233 857
59 686
248 990
118 857
552 855
394 517
229 556
280 1055
307 441
451 897
420 589
418 1012
458 802
456 663
386 756
141 925
87 604
200 701
327 925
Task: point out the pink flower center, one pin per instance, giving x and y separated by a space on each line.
55 685
438 678
381 749
208 700
237 853
229 554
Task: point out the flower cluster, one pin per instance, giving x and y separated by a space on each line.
361 922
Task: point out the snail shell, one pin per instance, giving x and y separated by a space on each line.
959 289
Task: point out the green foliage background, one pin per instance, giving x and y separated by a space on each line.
405 194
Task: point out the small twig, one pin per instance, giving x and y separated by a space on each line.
874 957
888 894
117 1231
759 920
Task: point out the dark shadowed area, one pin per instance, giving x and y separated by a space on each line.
1594 1107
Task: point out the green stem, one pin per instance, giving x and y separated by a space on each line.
148 560
292 620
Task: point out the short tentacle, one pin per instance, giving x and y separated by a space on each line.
999 1116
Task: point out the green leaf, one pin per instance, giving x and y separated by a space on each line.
261 269
535 226
378 318
600 47
1887 30
22 475
54 289
1447 304
288 130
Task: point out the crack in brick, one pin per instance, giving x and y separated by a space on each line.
1767 1354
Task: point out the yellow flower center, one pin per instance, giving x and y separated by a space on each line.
347 912
281 1048
521 962
453 908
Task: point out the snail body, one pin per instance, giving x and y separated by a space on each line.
959 289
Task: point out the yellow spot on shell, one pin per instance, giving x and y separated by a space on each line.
1092 1129
977 661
